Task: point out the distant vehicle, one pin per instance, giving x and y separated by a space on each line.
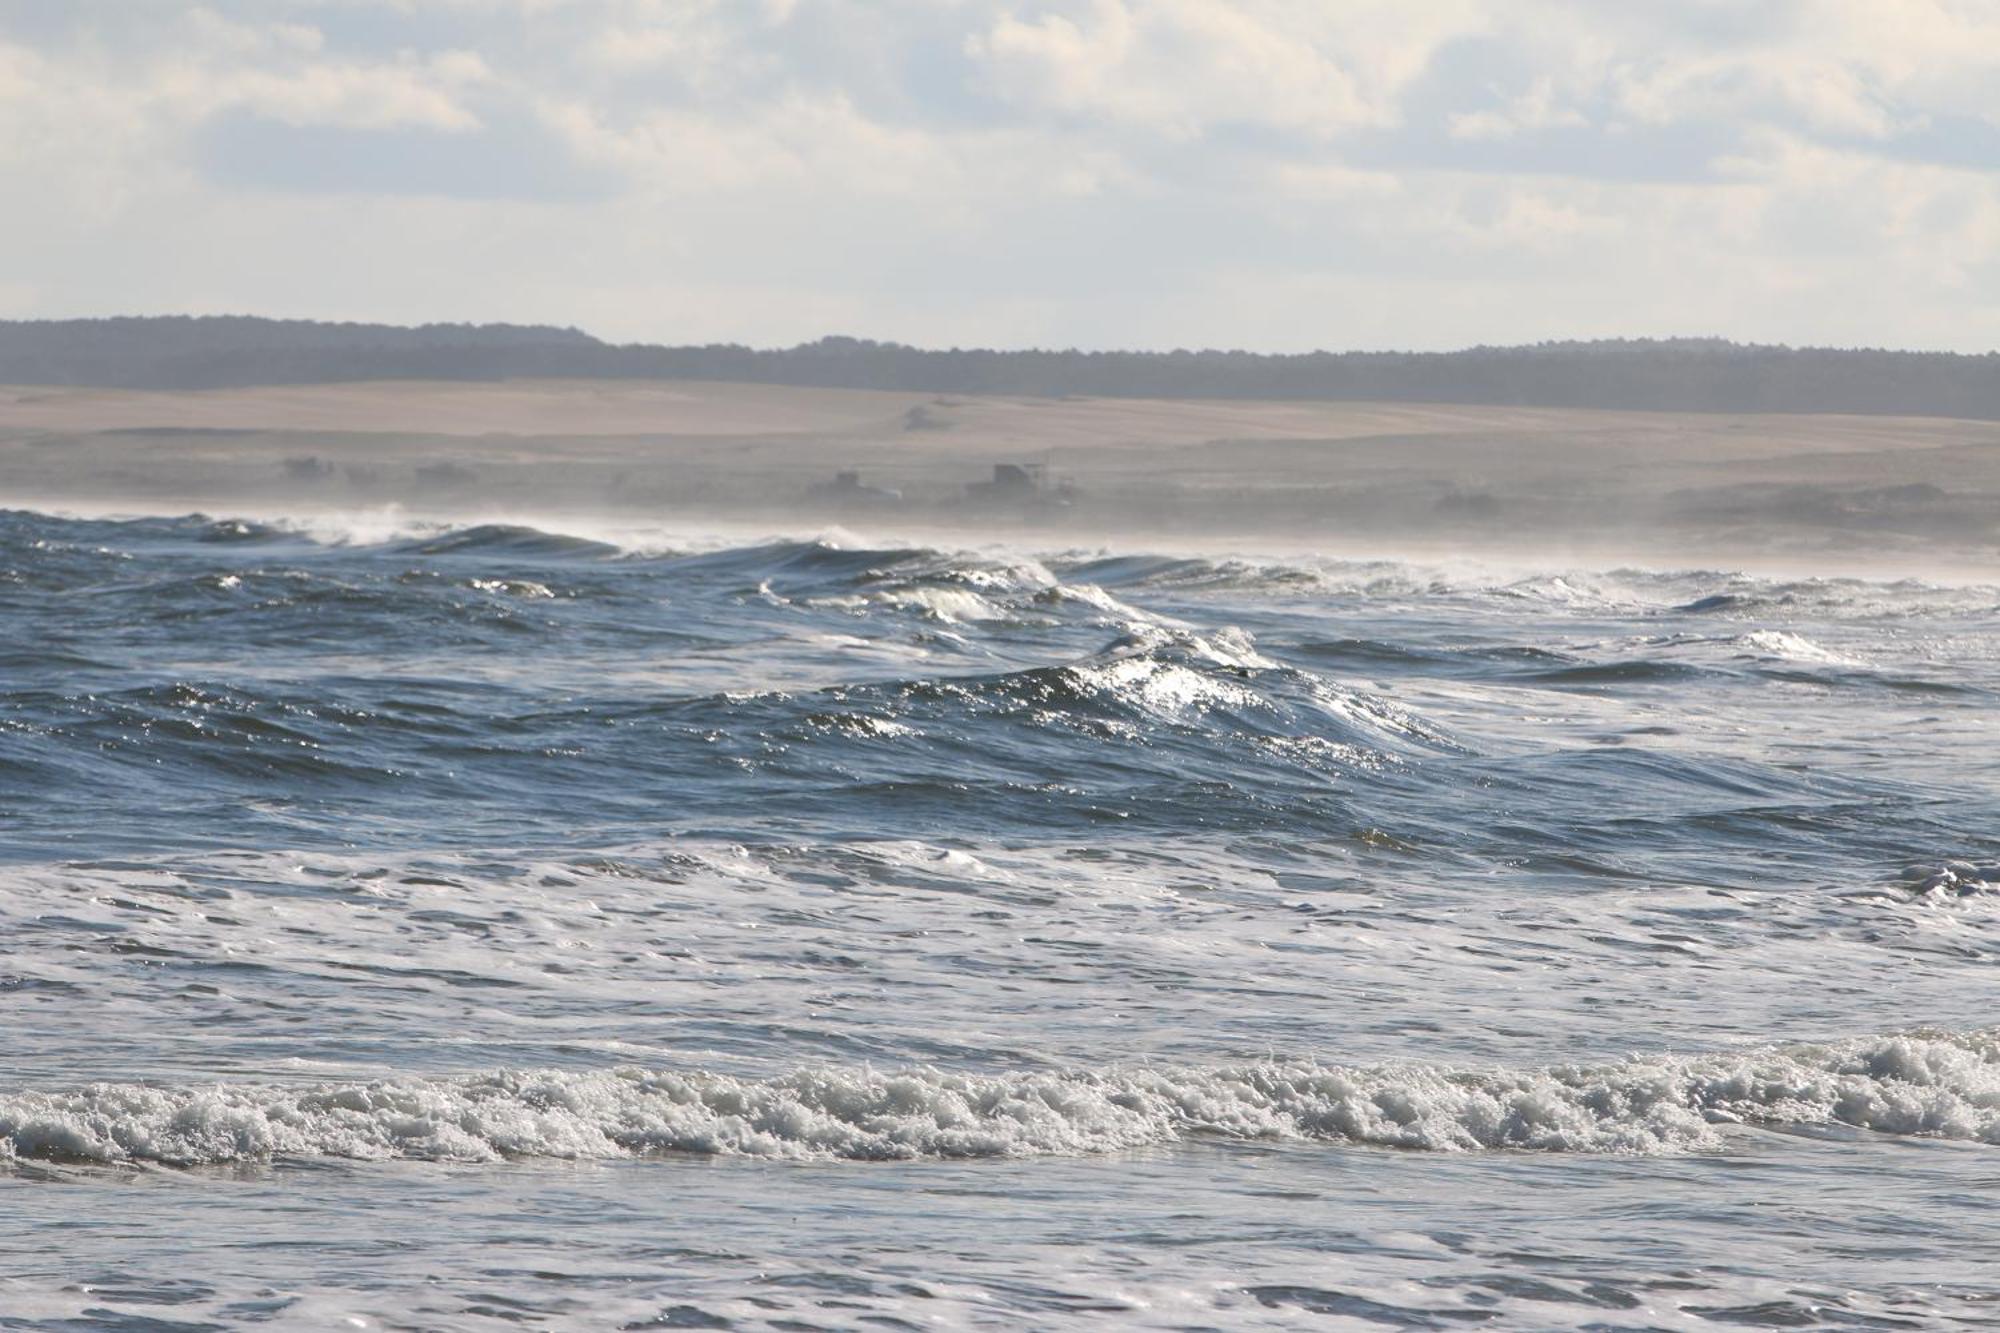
846 491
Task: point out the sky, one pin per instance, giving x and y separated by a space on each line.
1267 174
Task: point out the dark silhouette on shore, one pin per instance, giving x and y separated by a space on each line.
1681 374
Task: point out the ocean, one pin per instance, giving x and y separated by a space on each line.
426 926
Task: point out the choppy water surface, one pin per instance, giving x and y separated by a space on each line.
485 927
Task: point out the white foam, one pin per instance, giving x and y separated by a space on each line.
1573 589
527 589
1225 646
1006 573
952 606
1089 594
1939 1084
1784 646
359 527
1953 879
1163 687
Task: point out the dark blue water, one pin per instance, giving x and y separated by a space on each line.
1094 921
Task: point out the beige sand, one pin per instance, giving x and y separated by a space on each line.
1387 477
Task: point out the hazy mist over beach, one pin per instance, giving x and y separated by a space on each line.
1171 664
1654 451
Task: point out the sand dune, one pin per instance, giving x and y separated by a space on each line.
1383 475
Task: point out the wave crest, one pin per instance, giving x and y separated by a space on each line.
1933 1083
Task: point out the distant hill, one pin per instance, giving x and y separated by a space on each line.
1688 374
225 351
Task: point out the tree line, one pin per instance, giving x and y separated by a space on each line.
1697 374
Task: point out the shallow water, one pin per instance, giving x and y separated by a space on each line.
483 926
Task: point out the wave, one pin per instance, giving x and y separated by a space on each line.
507 539
236 531
836 558
1191 574
1155 672
1377 654
1929 1083
1131 731
1953 879
1772 645
1639 672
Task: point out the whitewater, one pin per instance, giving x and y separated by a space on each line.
447 925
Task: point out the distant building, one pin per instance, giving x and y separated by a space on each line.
847 491
1021 486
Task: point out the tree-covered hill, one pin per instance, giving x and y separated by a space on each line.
1694 374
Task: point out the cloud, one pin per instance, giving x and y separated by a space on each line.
509 157
1535 109
1257 172
1181 68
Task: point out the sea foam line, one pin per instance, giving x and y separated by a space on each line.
1934 1083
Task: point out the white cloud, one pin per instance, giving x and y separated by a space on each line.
1536 109
409 93
801 143
1252 172
1182 67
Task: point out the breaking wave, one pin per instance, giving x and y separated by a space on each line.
1929 1083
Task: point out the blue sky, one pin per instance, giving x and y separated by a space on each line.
1272 174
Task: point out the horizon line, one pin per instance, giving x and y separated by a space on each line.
860 341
